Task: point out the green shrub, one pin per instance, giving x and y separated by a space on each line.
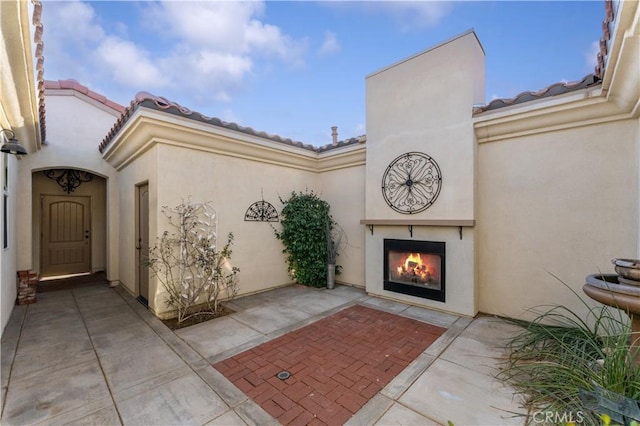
304 219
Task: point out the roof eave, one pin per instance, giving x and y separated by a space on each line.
146 127
19 103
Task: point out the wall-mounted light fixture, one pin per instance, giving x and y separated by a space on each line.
12 146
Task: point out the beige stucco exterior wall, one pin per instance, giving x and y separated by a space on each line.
176 174
18 113
183 159
546 187
8 259
71 143
558 203
144 170
343 189
423 104
558 185
232 185
459 266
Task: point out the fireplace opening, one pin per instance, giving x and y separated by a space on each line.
416 268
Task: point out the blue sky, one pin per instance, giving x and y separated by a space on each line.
297 68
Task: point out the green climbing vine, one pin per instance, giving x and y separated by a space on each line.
305 219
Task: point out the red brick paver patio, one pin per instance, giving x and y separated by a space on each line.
337 364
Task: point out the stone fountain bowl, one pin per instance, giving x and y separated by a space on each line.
607 289
628 268
611 282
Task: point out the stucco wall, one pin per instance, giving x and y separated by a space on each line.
144 170
343 189
561 203
8 259
459 266
71 143
232 185
424 104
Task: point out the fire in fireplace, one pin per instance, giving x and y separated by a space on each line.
416 268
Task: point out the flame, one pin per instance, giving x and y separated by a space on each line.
415 259
414 269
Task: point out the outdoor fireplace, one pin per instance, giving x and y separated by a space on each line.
416 268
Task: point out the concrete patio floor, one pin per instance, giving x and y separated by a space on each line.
95 355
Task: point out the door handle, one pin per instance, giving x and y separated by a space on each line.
87 233
139 245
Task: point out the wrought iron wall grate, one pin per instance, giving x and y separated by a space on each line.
68 179
261 211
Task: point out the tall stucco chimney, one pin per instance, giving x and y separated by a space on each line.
334 134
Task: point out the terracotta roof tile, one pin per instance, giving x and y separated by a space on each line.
339 144
561 88
606 36
553 90
74 85
158 103
36 21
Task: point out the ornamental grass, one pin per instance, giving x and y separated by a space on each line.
560 354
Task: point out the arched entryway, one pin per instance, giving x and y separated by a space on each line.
69 222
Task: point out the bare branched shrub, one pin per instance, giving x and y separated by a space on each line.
194 273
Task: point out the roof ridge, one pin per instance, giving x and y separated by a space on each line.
345 142
551 90
159 103
81 88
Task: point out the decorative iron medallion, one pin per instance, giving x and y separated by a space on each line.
261 211
411 183
68 179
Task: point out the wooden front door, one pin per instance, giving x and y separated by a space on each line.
143 242
66 235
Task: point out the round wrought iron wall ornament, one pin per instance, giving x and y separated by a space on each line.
261 211
411 183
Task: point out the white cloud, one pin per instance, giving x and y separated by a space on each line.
200 49
129 64
224 26
215 44
406 14
417 14
70 34
330 45
71 22
210 62
207 74
217 24
268 39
